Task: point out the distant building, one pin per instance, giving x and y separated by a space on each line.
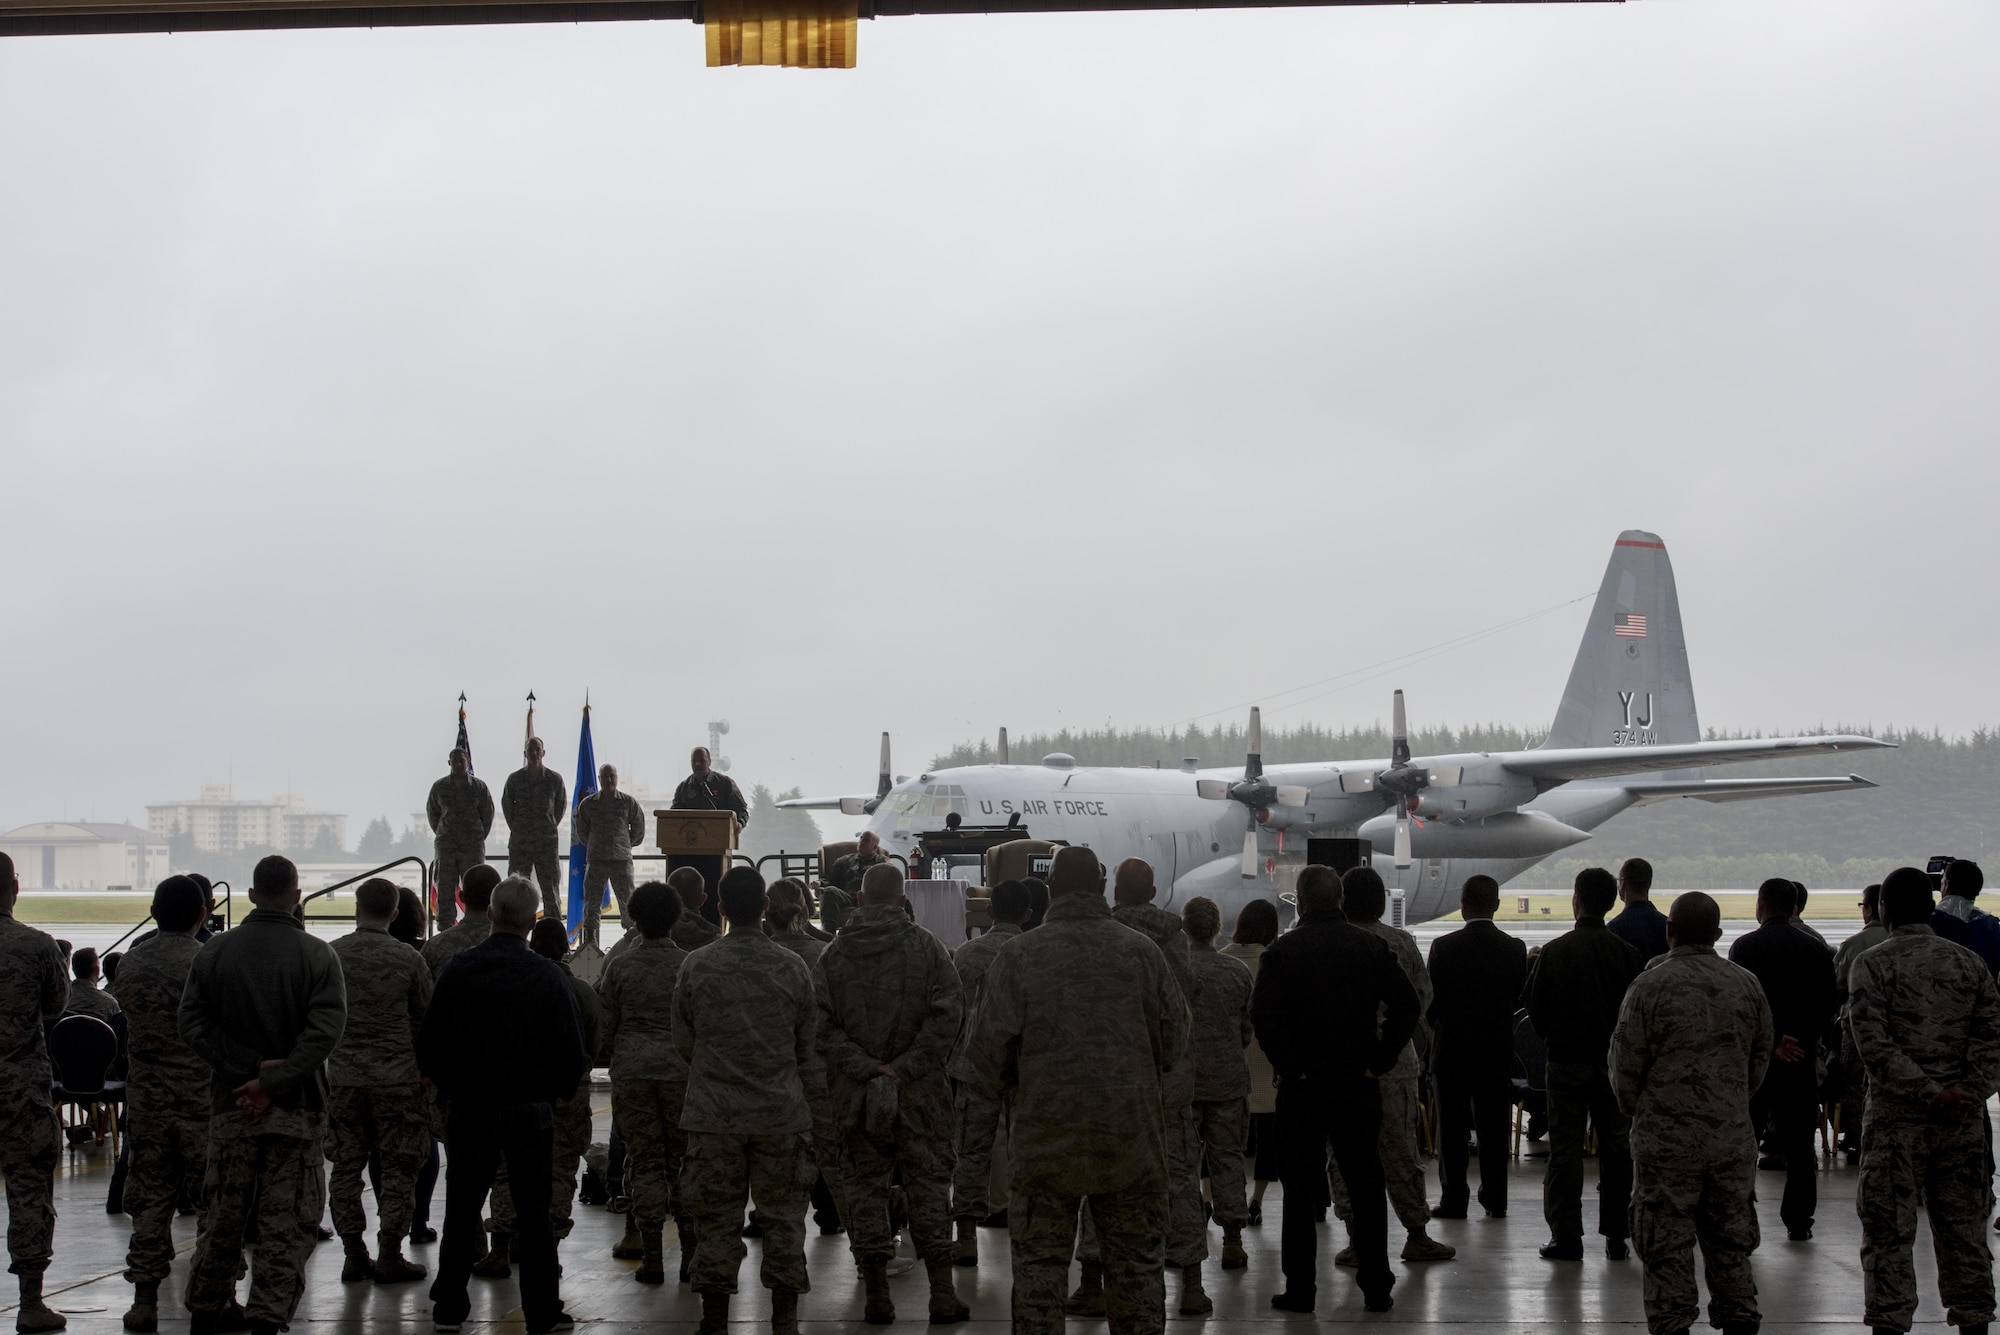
221 824
85 855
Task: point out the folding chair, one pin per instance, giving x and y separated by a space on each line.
83 1048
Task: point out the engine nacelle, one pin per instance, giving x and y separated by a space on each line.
1472 801
1511 834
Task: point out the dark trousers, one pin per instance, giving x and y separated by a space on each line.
476 1142
1580 1097
1478 1102
1346 1115
1789 1104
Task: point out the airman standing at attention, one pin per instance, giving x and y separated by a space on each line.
377 1105
609 824
744 1021
534 801
1363 899
649 1077
460 811
166 1092
1926 1020
1693 1041
692 930
1218 1054
888 1016
978 1117
1187 1227
34 986
1081 1021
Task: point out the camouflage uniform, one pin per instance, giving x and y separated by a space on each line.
1925 1017
1083 1023
377 1103
744 1023
166 1100
461 816
534 805
1402 1162
977 1117
1693 1041
825 1136
888 995
1220 1066
840 887
263 991
607 824
692 931
1187 1227
34 987
570 1119
85 999
648 1078
441 949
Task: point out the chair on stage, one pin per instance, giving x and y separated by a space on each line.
83 1049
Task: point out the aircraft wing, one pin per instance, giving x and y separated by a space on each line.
1743 790
848 806
1604 762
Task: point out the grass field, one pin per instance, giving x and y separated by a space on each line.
33 907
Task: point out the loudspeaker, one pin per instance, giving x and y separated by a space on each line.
1343 855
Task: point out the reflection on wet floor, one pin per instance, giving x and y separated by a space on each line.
1496 1284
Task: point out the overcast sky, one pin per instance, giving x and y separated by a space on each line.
1040 371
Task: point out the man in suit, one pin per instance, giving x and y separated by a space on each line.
1477 974
1798 980
1639 924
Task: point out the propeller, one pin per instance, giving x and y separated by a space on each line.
1256 795
1404 782
865 806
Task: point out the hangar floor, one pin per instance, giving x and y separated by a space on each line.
1496 1284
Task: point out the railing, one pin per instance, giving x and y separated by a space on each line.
226 903
423 892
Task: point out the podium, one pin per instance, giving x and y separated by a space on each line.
702 839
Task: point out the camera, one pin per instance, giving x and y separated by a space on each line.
1935 869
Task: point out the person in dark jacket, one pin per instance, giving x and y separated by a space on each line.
264 1006
1574 993
1639 924
1798 980
1332 1010
502 1042
1477 974
1957 921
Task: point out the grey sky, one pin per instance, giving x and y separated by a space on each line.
1167 359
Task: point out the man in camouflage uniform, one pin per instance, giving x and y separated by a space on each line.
692 930
1083 1022
744 1021
166 1092
265 1006
477 887
1926 1021
460 810
888 1016
608 824
1363 899
840 884
377 1095
85 997
978 1117
649 1077
534 801
34 987
1220 1067
1187 1226
1693 1041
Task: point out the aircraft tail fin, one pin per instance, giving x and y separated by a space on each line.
1630 684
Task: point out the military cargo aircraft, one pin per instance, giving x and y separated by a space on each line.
1625 734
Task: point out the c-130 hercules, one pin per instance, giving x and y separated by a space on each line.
1625 734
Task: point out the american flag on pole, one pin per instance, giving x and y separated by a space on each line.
1630 626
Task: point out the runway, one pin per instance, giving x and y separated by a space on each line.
1496 1284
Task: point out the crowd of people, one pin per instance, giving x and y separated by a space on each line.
1107 1079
